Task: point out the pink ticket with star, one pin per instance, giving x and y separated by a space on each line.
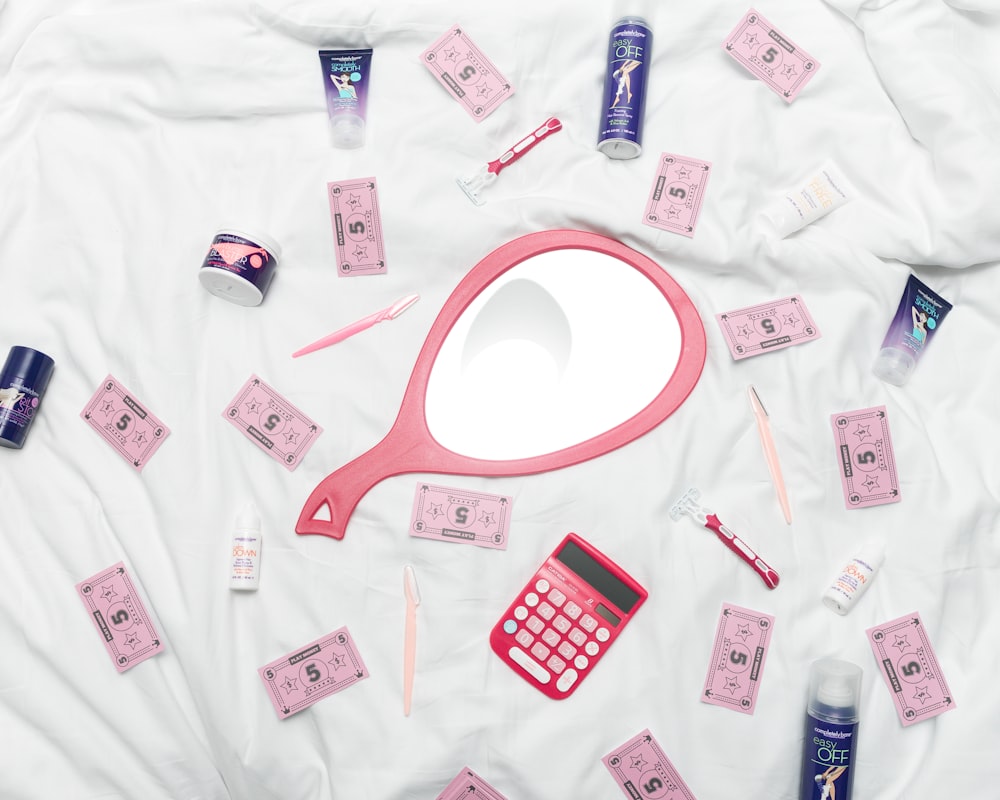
466 73
357 227
641 770
866 458
321 668
120 617
678 191
459 515
467 785
910 668
123 422
742 638
770 326
272 423
770 56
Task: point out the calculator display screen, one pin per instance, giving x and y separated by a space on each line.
591 570
608 614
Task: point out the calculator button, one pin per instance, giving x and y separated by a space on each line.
561 624
550 637
592 649
532 667
580 662
524 638
588 623
509 626
546 611
542 586
566 680
540 651
534 624
557 598
556 664
572 610
521 613
531 599
577 637
566 650
602 635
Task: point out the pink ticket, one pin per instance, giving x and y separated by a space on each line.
769 326
770 55
458 515
357 227
867 462
272 423
467 785
742 638
910 668
678 191
120 617
467 74
641 770
124 423
317 670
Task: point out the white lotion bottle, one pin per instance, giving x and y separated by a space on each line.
244 563
855 577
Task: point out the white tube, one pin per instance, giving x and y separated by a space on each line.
244 564
815 196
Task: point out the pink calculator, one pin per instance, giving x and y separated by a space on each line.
566 618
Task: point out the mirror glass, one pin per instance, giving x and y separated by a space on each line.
556 350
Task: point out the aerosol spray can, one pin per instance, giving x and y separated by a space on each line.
831 730
629 50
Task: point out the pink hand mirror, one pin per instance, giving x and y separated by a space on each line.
557 347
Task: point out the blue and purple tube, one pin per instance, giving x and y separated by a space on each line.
345 81
919 315
629 50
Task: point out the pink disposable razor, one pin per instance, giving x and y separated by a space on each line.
688 505
488 173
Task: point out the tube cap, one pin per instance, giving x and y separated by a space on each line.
835 689
893 365
348 131
248 517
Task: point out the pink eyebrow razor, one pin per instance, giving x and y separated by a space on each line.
688 505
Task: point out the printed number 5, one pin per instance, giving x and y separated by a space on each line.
769 55
122 616
911 669
738 658
678 192
867 457
467 72
313 673
122 423
652 785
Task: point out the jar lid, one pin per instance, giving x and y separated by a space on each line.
33 367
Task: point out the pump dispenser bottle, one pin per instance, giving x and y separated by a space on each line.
831 730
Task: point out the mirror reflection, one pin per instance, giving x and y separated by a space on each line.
562 347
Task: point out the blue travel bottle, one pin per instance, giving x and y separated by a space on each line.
831 730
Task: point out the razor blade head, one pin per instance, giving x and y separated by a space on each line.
473 184
686 504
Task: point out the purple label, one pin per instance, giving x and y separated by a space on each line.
345 80
625 84
18 404
246 258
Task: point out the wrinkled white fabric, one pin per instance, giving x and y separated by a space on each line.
131 131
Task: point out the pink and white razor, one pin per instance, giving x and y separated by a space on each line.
688 505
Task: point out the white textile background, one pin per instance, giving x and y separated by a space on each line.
131 131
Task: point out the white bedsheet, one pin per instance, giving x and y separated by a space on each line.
131 131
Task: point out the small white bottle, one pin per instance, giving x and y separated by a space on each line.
855 577
244 564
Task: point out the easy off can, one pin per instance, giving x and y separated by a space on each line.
629 50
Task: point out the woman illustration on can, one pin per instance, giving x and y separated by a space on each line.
828 780
919 324
623 74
